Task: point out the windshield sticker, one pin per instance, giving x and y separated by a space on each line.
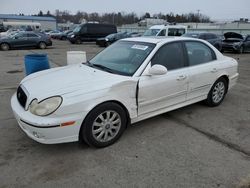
139 47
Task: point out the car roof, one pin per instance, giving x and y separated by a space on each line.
157 39
167 26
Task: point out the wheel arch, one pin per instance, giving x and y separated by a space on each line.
109 101
226 77
5 43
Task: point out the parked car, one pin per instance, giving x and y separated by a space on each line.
134 34
25 39
131 80
166 30
108 40
236 42
212 38
54 34
63 35
91 32
2 28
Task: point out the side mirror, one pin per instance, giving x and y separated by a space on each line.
157 70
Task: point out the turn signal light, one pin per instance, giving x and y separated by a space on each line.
67 123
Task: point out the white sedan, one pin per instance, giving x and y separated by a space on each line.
132 80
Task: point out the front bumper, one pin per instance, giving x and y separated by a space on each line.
230 47
47 130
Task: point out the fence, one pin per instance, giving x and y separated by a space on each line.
219 31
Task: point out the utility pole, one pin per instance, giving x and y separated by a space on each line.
198 17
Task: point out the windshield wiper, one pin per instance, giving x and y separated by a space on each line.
102 67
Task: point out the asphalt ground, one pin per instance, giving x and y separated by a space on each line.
195 146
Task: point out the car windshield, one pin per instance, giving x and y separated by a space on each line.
77 29
111 36
123 57
151 32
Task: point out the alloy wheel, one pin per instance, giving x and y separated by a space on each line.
218 92
106 126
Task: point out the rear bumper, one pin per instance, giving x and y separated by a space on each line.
233 80
49 43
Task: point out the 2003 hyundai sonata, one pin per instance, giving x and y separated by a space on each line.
132 80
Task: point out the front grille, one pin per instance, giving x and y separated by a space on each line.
21 96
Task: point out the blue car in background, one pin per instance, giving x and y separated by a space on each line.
25 39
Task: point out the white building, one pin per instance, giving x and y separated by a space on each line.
46 22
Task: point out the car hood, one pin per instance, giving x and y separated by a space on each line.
67 80
233 35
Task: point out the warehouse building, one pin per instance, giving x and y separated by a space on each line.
46 22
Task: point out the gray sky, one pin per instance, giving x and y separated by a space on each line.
215 9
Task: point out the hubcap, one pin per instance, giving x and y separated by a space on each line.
5 47
106 126
218 92
42 45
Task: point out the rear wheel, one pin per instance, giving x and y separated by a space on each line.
42 45
104 125
217 92
5 46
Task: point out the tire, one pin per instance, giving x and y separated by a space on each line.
42 45
104 125
78 41
241 50
5 46
217 93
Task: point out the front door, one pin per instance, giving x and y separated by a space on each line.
157 92
20 40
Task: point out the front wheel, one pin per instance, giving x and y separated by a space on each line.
42 45
78 41
217 92
104 125
5 46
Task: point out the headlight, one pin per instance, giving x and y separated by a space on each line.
45 107
72 36
106 39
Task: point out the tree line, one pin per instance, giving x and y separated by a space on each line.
121 18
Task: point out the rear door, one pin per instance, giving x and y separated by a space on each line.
32 39
203 68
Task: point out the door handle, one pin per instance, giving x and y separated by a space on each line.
182 77
214 70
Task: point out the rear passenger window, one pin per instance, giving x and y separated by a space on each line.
175 32
32 35
199 53
170 55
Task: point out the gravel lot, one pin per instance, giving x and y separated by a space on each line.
195 146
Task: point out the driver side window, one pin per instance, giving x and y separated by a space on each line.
162 33
170 55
